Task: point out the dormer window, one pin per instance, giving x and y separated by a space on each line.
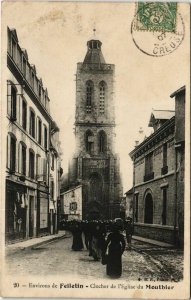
13 49
32 79
39 91
24 66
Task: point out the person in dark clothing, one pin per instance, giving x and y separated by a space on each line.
98 240
76 230
116 245
129 231
86 231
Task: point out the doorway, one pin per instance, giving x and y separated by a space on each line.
31 216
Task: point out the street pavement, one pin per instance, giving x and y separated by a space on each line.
143 262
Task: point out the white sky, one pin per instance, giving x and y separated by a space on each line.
55 37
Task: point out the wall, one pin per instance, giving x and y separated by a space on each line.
157 160
73 195
156 232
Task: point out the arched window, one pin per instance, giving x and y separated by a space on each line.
89 95
12 101
45 137
31 163
24 114
89 140
22 156
148 209
102 141
39 131
12 152
52 189
102 87
32 123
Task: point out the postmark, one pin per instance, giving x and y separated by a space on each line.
157 28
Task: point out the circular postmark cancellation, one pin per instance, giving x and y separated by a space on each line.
157 28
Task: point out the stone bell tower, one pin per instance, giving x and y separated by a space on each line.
95 164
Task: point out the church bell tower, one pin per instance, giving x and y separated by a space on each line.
95 164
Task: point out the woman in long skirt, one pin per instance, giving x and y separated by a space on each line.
116 246
76 230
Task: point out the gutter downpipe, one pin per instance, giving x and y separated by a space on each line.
175 199
133 192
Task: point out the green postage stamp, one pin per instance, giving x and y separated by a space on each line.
157 28
157 16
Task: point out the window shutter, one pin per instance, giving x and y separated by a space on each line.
9 99
44 170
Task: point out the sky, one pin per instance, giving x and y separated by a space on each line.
55 35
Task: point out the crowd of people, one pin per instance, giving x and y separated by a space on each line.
104 240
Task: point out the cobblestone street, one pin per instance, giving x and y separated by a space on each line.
143 262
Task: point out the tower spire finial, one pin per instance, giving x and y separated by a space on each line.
94 30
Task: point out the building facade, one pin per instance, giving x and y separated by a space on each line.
157 207
55 178
95 164
28 144
71 204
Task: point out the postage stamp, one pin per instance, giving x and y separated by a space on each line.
157 16
157 28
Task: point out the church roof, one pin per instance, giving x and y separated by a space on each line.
94 54
160 115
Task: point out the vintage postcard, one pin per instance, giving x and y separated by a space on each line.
95 149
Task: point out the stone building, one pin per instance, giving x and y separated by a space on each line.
95 164
158 183
55 178
28 125
71 204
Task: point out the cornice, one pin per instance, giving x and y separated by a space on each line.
154 138
90 124
26 86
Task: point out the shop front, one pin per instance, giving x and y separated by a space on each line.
42 213
15 211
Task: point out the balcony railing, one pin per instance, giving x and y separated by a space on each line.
149 176
94 66
164 170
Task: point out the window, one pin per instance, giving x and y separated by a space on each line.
45 170
164 169
52 166
164 207
52 189
39 91
102 141
89 141
102 97
32 124
136 207
149 174
12 162
148 209
38 168
39 131
32 79
13 49
24 66
73 206
24 114
13 104
89 95
31 164
45 138
23 159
